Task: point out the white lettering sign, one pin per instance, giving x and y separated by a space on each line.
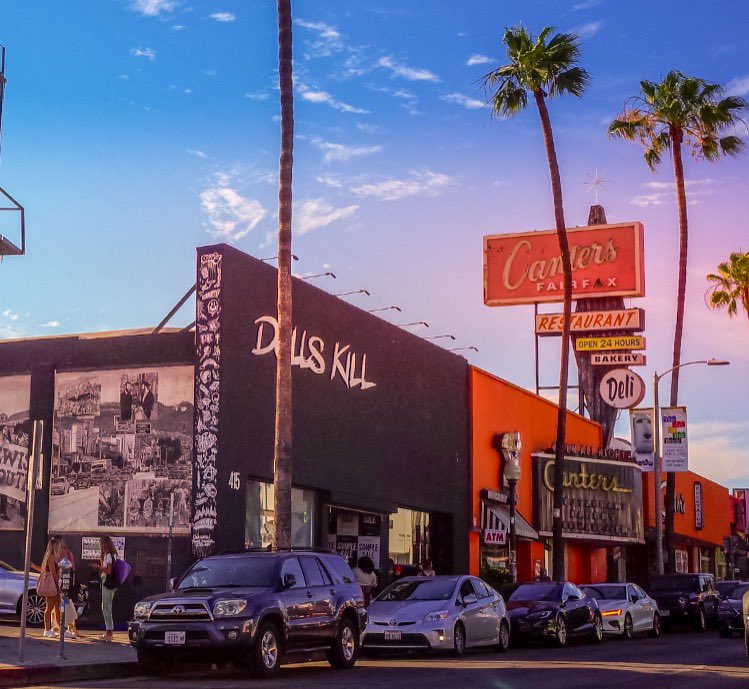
307 351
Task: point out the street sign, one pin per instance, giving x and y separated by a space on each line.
622 388
618 359
591 321
591 344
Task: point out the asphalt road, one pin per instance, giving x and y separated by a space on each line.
678 660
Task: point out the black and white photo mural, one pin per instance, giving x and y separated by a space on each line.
122 445
15 392
207 400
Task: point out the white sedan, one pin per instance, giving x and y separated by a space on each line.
626 609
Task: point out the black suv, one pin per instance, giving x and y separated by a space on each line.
253 609
686 597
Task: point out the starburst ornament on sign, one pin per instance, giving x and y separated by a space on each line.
598 182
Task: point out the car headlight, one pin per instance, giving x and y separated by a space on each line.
682 601
437 616
612 613
541 615
141 610
230 607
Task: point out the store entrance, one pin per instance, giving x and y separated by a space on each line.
354 534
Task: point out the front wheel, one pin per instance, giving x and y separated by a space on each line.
597 636
560 635
266 654
655 632
629 631
459 640
345 648
700 621
504 636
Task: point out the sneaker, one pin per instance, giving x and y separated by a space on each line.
48 634
69 634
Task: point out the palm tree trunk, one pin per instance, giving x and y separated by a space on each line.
681 197
282 458
558 573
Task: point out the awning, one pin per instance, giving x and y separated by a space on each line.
497 517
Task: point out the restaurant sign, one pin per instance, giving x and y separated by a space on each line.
591 321
602 499
526 268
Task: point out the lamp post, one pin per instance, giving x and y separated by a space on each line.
658 468
510 447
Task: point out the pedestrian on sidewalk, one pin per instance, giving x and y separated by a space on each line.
49 584
71 615
365 576
107 557
428 569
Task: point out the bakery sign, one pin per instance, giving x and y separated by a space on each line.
526 268
602 499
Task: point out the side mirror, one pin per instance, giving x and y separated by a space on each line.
289 581
470 599
572 599
172 583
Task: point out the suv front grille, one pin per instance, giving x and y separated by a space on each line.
180 611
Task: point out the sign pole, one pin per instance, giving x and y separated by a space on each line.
657 477
169 542
37 435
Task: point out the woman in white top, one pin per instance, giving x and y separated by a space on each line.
365 576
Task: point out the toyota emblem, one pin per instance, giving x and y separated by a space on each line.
178 609
392 623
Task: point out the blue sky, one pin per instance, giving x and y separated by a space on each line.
137 130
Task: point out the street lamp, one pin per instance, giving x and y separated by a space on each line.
408 325
385 308
318 275
439 337
294 257
464 349
658 459
356 291
509 447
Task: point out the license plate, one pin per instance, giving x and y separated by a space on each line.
393 635
174 638
664 613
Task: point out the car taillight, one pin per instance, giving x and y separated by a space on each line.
397 570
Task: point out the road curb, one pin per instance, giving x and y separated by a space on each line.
52 674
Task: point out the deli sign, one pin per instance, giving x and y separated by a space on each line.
622 388
526 268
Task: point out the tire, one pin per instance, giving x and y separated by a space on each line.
459 640
345 649
35 607
655 632
726 633
560 635
700 621
153 664
504 637
596 636
265 660
628 632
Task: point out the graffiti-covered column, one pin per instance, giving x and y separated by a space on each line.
207 402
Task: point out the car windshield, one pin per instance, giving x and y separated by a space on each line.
725 587
606 592
738 592
424 589
677 582
548 592
230 571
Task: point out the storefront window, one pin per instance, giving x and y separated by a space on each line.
259 516
409 537
682 561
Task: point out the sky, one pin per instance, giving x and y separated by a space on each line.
136 130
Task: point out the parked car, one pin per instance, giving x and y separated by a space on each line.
442 613
60 485
553 611
255 609
730 615
686 597
726 587
11 596
625 609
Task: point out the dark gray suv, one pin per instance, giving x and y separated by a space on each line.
253 609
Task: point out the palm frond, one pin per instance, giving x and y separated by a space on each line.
572 81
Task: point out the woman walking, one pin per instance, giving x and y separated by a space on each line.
107 557
50 573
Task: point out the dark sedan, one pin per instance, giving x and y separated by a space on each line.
554 612
730 617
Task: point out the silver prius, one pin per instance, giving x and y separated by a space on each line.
444 613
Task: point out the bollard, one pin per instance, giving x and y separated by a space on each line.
66 570
745 611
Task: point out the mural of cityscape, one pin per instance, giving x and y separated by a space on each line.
122 451
15 393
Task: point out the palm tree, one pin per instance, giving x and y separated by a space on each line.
545 67
730 285
282 458
680 111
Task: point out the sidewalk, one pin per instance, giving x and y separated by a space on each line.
85 659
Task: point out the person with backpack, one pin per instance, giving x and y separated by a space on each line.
107 559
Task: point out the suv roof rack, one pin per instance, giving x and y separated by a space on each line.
293 549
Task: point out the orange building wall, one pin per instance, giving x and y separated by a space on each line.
499 407
716 507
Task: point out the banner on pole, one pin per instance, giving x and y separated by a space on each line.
675 446
641 425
